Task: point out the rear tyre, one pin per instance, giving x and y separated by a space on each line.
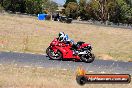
88 58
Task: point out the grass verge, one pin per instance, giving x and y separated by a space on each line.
12 76
25 34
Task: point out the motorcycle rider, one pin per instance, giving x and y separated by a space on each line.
64 38
61 36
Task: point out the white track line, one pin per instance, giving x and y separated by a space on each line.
102 72
91 71
26 66
117 73
40 67
15 64
25 52
64 69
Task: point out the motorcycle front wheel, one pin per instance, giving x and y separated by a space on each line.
88 58
47 50
55 56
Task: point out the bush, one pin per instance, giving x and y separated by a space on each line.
1 9
71 10
28 6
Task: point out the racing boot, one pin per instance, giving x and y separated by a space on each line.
75 52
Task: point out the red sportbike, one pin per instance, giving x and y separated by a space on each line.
80 51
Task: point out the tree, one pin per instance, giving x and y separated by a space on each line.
72 10
1 8
68 1
28 6
33 6
53 6
100 9
129 2
82 10
49 6
123 12
1 2
13 5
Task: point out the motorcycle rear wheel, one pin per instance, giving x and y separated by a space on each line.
87 58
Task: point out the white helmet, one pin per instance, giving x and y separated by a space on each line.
61 36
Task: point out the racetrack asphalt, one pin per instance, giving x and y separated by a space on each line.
98 66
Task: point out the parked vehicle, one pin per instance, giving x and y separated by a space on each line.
65 19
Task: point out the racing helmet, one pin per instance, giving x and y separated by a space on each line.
61 36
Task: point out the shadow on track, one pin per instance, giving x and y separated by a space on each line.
65 60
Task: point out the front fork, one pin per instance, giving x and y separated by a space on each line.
54 49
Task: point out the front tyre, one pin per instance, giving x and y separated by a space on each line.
88 58
47 50
54 56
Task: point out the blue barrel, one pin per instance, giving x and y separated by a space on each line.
42 16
